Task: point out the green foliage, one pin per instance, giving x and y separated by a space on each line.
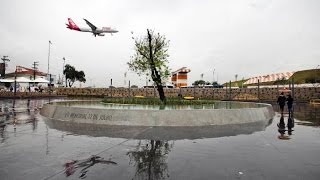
80 76
215 83
150 58
239 83
281 81
73 75
306 76
142 64
202 82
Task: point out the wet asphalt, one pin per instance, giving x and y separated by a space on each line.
31 149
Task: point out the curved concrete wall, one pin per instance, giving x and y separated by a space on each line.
156 132
203 117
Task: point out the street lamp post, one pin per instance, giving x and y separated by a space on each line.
315 76
64 60
48 74
15 82
111 86
213 76
49 58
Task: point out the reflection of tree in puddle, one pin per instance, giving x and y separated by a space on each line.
150 159
72 166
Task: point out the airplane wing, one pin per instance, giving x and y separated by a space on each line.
93 27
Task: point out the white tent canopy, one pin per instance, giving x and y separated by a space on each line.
6 80
23 80
40 80
269 78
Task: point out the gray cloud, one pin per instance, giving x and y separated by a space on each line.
246 37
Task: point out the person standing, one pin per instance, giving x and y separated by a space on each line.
289 103
282 102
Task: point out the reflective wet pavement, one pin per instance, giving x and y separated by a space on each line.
30 149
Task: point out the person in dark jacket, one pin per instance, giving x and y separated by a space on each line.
289 103
282 102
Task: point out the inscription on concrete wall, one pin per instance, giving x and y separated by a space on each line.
90 116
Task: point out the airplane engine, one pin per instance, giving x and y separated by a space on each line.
100 34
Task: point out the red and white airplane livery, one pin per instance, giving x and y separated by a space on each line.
93 29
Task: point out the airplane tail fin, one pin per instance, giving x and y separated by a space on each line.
72 25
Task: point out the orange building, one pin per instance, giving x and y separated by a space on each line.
180 77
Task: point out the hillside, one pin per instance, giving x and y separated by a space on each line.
306 76
299 77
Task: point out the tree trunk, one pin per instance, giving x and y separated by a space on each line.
161 93
154 73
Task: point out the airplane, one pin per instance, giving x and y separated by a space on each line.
93 29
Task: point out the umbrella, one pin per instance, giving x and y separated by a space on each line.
284 90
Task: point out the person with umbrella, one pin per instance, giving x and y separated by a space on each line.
281 101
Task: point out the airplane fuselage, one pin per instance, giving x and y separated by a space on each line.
92 29
98 30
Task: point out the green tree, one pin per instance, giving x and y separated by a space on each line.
200 83
282 81
73 75
215 83
151 53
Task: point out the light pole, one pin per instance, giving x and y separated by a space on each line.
64 60
111 86
49 58
242 82
315 76
34 67
213 76
147 79
15 82
125 79
217 79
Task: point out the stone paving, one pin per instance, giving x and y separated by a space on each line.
29 149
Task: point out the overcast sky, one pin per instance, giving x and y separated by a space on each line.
244 37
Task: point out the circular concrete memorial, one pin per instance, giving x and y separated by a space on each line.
173 122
